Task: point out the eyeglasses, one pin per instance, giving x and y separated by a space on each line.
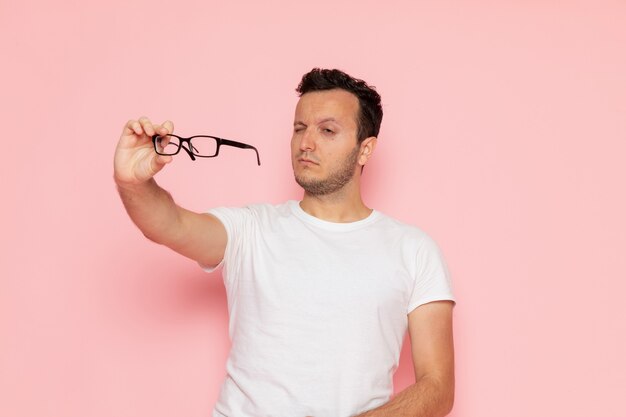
201 146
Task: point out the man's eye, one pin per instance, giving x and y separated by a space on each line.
326 130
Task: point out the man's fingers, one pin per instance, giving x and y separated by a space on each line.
132 127
128 128
169 126
164 159
160 130
164 129
146 125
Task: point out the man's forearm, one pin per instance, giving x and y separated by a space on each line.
428 397
152 209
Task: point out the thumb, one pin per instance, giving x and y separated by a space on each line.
158 162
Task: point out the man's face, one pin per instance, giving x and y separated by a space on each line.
324 149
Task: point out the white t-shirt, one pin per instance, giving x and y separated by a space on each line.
318 310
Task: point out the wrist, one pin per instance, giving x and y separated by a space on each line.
133 186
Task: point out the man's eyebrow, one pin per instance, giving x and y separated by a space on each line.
324 120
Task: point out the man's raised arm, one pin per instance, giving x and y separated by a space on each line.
201 237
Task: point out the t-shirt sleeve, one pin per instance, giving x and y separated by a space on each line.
432 278
235 221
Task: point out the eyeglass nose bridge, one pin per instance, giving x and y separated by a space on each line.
187 148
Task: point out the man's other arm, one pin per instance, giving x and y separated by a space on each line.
201 237
432 349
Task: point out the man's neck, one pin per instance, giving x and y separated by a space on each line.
343 206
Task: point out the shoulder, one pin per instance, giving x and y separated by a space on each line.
415 244
267 211
401 229
257 212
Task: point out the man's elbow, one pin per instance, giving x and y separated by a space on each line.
448 403
442 390
153 237
446 399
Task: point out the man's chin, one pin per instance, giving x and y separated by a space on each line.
316 187
310 185
302 180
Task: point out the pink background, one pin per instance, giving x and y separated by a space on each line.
503 138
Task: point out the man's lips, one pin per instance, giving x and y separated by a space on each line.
307 161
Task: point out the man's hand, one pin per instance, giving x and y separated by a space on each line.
197 236
135 160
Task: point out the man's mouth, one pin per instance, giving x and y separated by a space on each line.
307 160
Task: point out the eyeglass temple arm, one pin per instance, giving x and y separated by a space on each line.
243 146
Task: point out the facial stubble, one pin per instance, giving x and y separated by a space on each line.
335 181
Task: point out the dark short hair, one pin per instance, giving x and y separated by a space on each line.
370 110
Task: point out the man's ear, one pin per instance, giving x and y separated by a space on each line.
367 149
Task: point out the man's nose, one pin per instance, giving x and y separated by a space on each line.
307 141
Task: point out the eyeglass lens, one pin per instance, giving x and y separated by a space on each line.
167 145
200 146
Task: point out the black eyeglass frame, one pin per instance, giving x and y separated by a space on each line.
190 148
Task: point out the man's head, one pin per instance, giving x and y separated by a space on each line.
370 112
335 127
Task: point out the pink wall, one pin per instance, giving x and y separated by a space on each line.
504 138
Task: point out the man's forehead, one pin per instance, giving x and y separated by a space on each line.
327 105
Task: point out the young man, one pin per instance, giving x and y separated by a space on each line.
321 291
